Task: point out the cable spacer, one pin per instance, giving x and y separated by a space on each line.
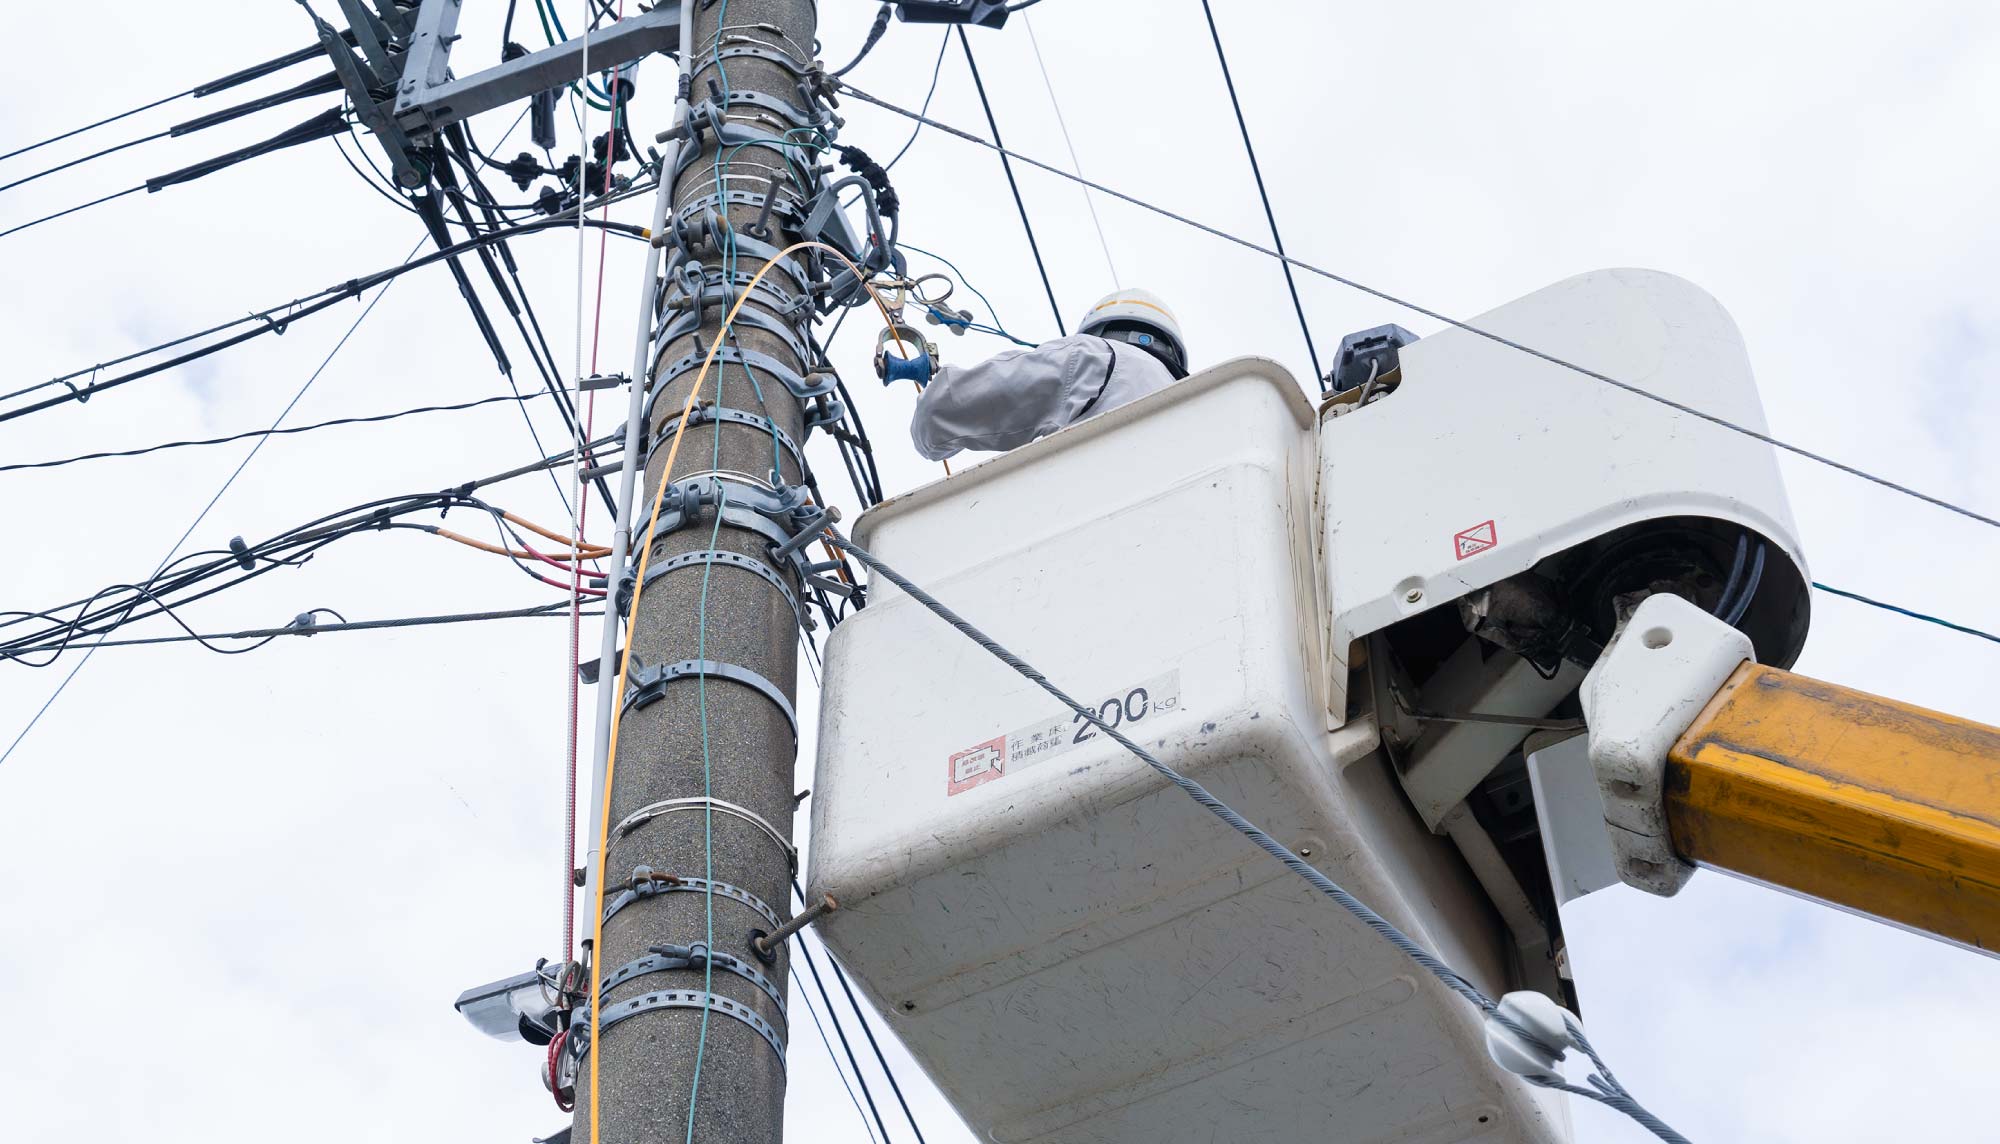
646 884
648 813
644 685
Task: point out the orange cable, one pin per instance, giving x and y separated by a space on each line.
631 622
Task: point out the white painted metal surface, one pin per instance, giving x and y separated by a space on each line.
1072 949
1571 815
1640 698
1487 459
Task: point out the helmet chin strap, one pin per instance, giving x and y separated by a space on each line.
1143 336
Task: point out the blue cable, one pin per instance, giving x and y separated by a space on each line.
1860 599
999 327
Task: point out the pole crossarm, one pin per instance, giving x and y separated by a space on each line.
429 99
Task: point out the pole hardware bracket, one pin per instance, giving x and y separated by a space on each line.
778 515
602 381
798 386
646 684
646 884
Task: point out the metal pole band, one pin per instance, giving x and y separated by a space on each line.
673 999
647 684
704 414
646 889
693 958
786 375
703 558
645 814
689 324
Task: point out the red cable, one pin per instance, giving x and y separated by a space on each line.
555 1054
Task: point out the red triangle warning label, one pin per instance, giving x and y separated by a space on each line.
1475 540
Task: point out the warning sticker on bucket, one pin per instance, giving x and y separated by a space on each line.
1017 750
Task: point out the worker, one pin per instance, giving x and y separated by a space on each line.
1127 346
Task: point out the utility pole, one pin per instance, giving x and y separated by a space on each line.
707 794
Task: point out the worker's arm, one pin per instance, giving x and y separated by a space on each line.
1015 397
1865 803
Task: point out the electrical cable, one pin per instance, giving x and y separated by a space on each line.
1606 1089
1902 611
93 155
937 69
1264 196
233 79
72 210
207 508
1070 144
813 967
1435 315
313 304
1007 165
379 417
875 32
861 1015
866 1125
552 609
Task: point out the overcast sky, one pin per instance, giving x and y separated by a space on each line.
238 894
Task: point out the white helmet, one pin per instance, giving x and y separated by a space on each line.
1140 318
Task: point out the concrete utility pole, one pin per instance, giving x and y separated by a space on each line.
649 1058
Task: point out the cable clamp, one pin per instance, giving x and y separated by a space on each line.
645 685
583 1030
1527 1034
651 811
647 884
689 321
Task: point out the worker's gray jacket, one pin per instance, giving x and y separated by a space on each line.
1013 398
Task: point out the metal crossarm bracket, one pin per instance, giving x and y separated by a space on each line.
645 685
666 958
645 885
672 999
429 99
360 82
651 811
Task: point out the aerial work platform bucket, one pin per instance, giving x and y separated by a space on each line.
1071 948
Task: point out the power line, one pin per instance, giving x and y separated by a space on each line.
87 158
199 91
1008 166
1435 315
1902 611
1262 194
514 397
559 608
937 68
72 210
207 508
1070 145
315 303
